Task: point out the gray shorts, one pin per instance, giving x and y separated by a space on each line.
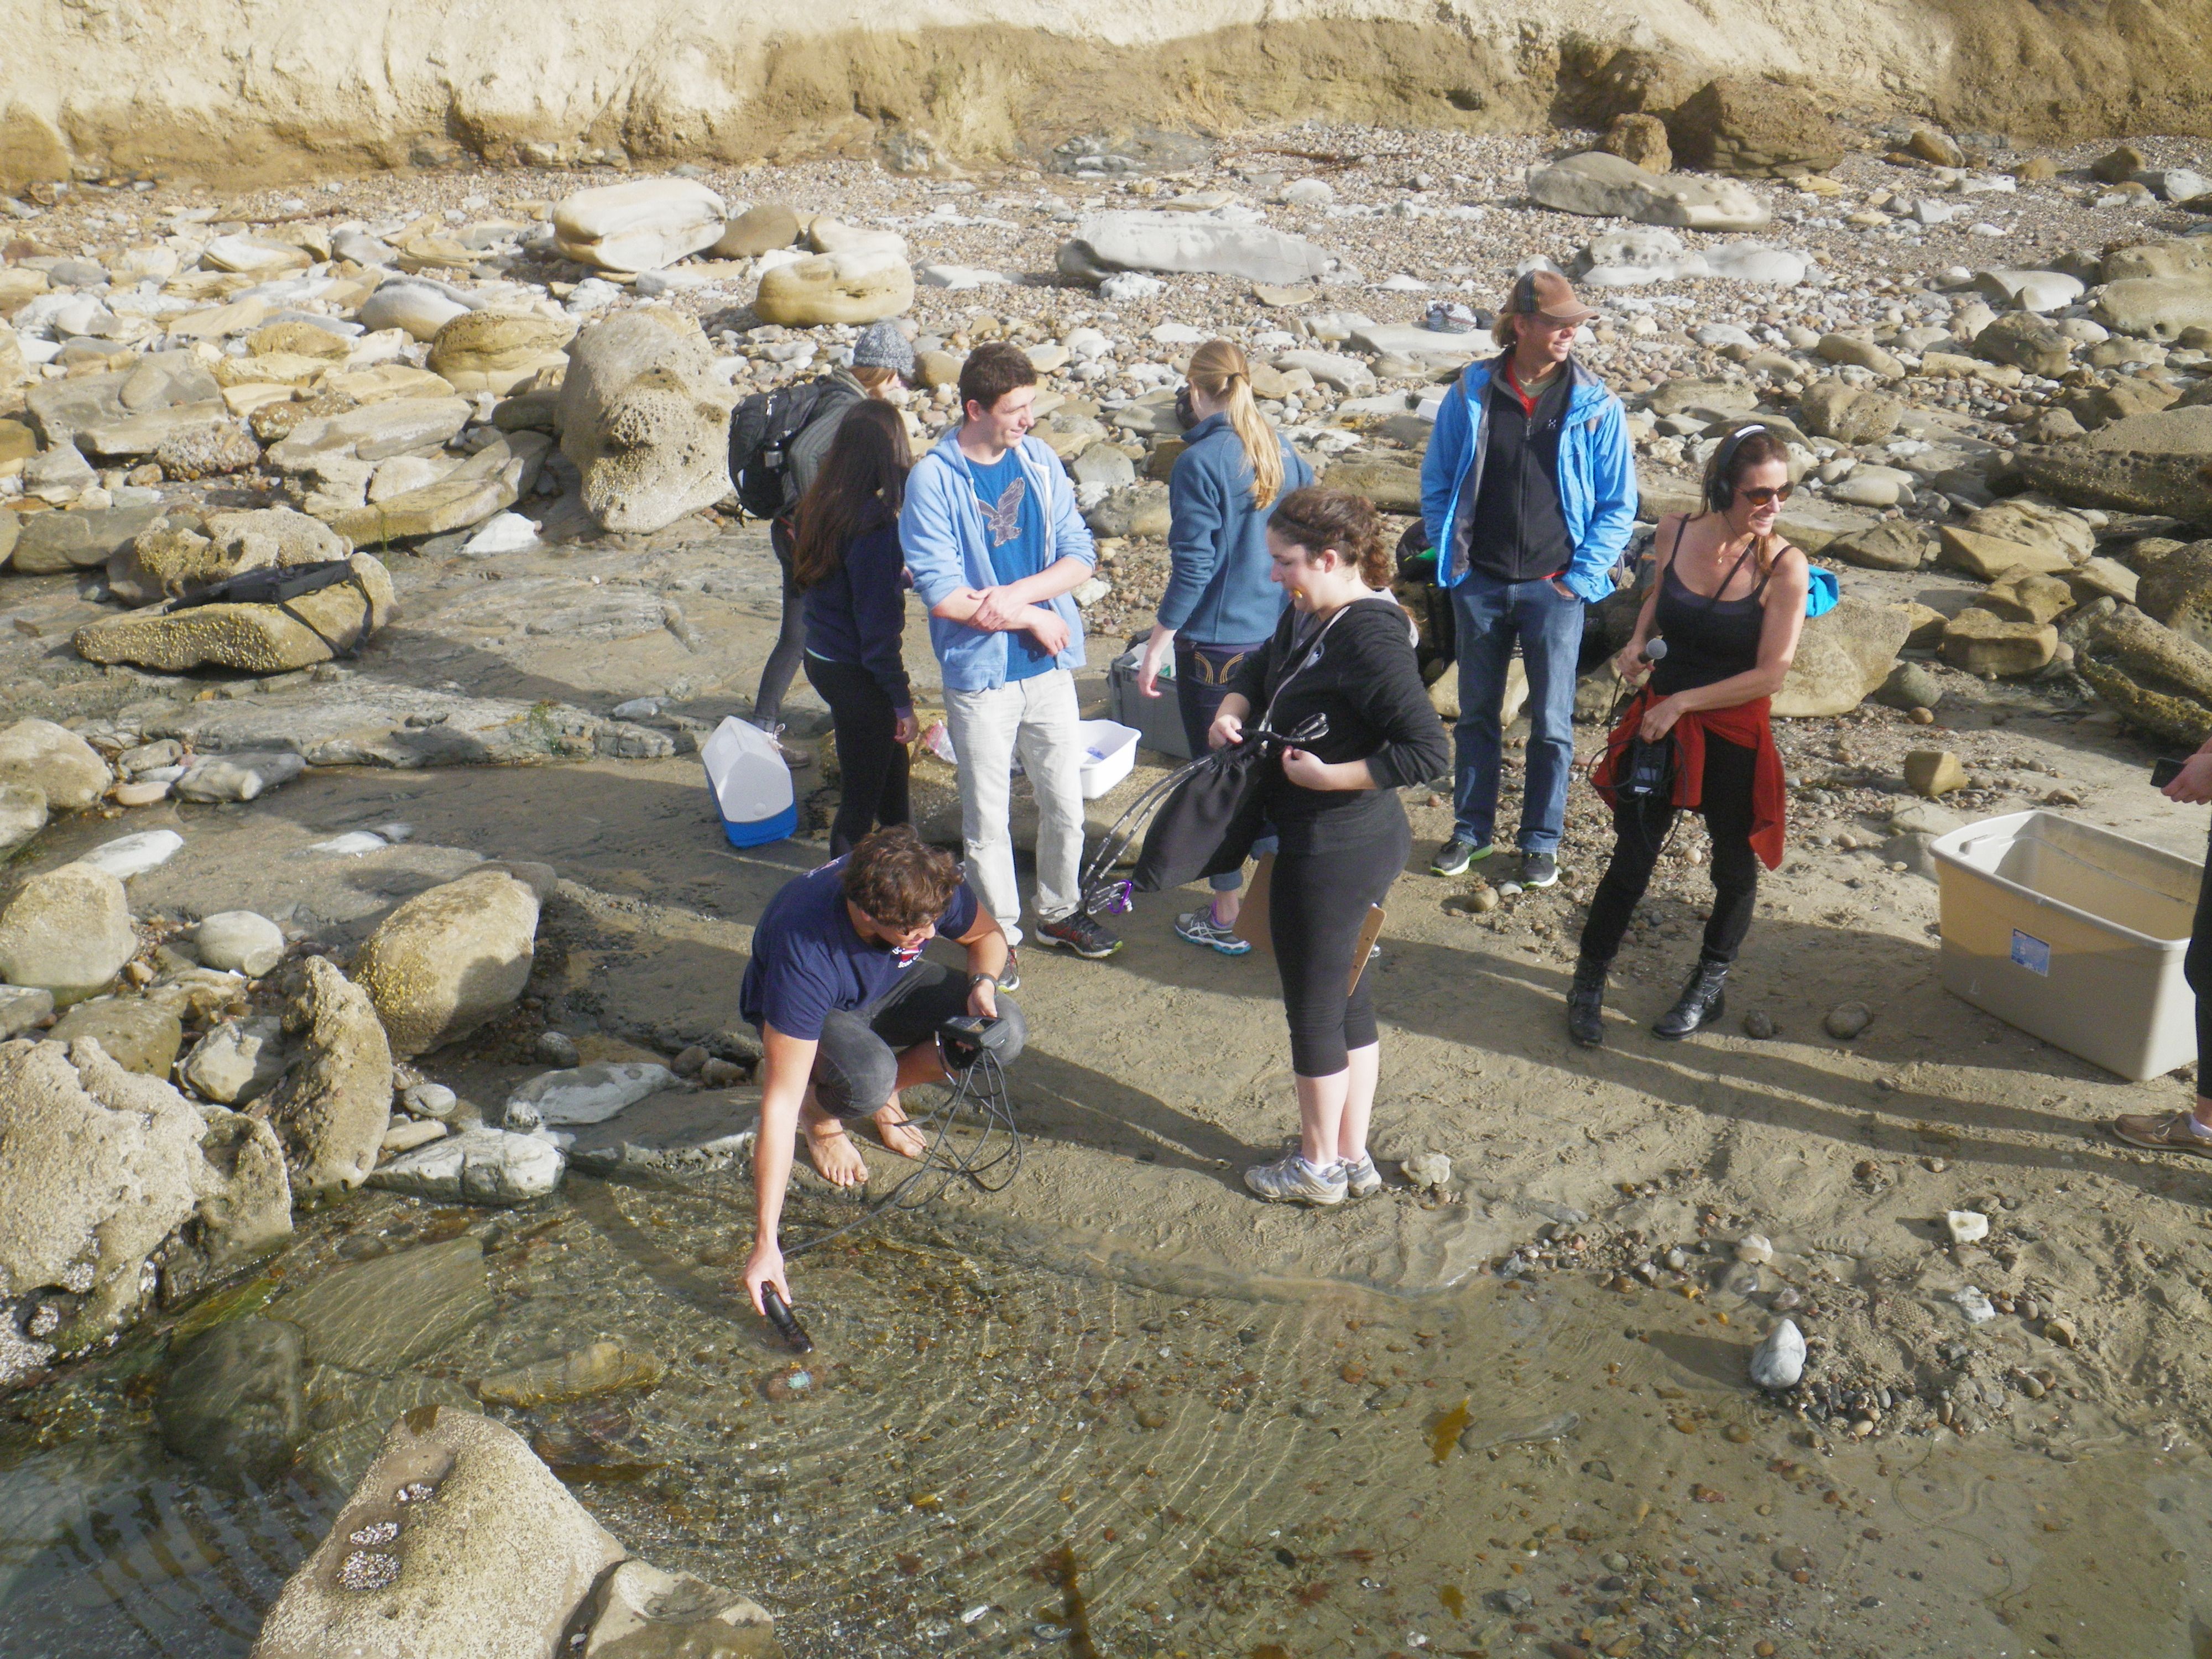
856 1063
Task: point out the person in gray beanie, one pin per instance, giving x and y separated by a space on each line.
883 357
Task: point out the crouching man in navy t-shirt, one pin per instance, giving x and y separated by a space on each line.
847 1011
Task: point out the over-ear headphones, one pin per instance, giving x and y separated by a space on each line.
1720 493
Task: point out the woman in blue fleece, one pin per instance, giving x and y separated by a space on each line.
845 561
1221 603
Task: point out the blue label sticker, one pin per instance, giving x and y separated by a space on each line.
2030 953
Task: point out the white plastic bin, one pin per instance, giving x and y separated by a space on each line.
2075 934
751 784
1109 749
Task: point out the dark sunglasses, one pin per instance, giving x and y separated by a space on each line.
1761 496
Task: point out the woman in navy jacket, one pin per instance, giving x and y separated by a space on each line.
845 561
1220 604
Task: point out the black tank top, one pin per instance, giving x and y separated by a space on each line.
1707 638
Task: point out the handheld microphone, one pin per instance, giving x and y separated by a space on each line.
786 1321
1654 650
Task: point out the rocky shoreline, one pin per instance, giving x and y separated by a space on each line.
263 943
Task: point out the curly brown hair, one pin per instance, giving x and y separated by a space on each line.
898 879
1319 519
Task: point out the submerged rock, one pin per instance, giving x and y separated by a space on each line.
377 1316
457 1542
639 1612
235 1401
596 1368
1779 1361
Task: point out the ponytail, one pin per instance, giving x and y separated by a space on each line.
1219 370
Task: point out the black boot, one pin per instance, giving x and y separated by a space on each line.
1700 1004
1586 1004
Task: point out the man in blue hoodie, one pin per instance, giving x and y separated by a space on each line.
995 547
1528 494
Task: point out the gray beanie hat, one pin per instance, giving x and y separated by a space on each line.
884 345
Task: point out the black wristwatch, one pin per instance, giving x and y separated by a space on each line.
974 980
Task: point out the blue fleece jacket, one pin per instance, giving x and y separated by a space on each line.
947 548
1597 475
858 615
1218 588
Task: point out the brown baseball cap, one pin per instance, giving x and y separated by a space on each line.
1548 294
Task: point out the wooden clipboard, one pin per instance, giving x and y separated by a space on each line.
1252 922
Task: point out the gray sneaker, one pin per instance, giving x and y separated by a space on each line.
1363 1179
1455 854
1539 870
1290 1180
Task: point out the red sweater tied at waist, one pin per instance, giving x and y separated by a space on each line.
1748 726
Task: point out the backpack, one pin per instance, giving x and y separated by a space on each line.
762 428
1429 604
278 585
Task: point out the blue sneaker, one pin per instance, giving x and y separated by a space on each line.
1200 927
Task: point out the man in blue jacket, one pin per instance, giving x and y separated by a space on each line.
995 546
1528 494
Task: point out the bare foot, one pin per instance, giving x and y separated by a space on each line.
832 1152
897 1133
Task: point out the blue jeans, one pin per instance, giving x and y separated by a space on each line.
1492 616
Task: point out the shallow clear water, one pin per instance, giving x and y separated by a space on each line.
1007 1444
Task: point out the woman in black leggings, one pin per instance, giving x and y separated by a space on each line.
1345 650
845 561
1729 601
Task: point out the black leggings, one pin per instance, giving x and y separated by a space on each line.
871 764
1640 828
2197 969
1317 903
791 636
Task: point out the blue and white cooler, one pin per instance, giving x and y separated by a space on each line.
751 784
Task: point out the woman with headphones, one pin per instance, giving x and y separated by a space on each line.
1729 601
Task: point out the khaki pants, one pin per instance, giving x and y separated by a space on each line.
1035 718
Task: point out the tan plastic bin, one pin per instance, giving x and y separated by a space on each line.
2075 934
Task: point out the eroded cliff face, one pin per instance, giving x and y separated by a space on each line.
240 88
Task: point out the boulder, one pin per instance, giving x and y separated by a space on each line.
1860 353
419 308
2160 680
477 1166
67 931
828 235
862 286
2180 256
1842 657
1142 240
2028 343
239 940
2012 288
642 225
212 449
458 1542
1911 685
1847 413
487 483
38 754
638 1611
239 774
2152 464
236 1063
22 815
1754 129
645 422
174 557
1892 544
757 230
1606 187
449 959
295 338
332 1108
2177 591
2029 596
495 351
373 432
137 1034
257 639
1987 557
235 1401
1640 139
1981 642
51 543
100 1167
2156 307
2039 524
135 435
